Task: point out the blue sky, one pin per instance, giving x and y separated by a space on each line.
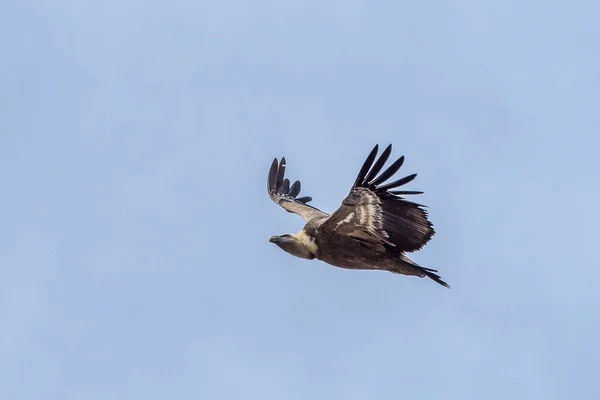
135 139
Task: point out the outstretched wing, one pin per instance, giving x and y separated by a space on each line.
284 194
375 214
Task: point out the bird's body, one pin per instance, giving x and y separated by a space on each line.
372 229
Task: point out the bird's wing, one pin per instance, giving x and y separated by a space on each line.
375 214
284 194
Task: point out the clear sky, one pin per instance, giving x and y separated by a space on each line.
135 141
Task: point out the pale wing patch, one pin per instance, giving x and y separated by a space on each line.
370 213
346 220
304 210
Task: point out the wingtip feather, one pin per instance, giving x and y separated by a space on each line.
366 166
280 175
398 183
378 165
406 192
295 189
272 178
304 199
286 186
389 172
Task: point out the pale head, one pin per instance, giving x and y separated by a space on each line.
299 245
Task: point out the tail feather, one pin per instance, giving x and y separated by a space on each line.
422 271
435 277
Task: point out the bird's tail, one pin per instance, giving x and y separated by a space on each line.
422 271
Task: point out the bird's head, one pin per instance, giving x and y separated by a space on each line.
292 244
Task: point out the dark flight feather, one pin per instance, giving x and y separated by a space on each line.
304 199
406 223
295 189
397 183
280 175
286 186
387 174
366 166
378 165
272 181
406 192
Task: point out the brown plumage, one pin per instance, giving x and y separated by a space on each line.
373 228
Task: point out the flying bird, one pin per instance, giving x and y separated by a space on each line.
373 229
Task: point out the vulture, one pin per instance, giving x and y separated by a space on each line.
373 229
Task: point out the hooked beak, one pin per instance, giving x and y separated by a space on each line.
274 239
